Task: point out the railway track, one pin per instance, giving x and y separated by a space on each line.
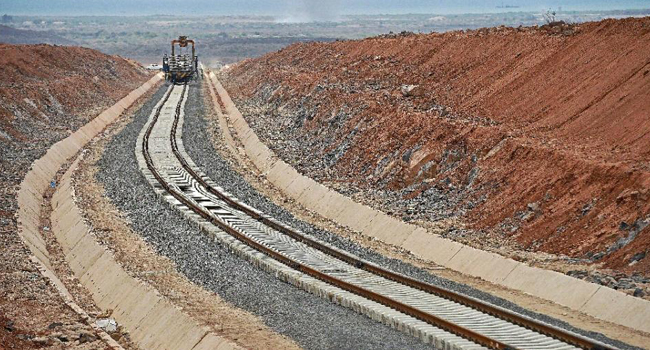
447 319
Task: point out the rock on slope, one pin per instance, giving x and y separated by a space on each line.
537 138
46 92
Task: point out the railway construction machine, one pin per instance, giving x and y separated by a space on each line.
181 66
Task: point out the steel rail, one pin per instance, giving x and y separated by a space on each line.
205 214
426 317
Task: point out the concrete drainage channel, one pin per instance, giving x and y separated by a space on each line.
422 314
134 305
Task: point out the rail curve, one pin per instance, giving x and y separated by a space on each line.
436 315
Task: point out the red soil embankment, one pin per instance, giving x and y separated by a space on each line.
44 82
544 133
46 92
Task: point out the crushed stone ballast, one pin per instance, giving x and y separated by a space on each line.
435 315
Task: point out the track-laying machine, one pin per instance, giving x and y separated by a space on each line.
181 66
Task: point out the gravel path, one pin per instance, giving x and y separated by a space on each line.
202 152
313 322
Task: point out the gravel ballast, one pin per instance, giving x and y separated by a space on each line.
312 322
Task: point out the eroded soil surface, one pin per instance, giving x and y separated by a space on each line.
532 142
46 93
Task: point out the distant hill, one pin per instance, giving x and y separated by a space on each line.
11 35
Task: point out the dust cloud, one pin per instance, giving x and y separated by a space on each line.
311 11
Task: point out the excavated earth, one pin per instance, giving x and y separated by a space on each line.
525 141
46 93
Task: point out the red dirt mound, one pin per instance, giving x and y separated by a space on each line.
43 82
46 92
541 134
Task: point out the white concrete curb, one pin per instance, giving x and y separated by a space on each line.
152 322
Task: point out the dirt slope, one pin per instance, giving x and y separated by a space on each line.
46 92
533 138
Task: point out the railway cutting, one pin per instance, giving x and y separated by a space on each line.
509 212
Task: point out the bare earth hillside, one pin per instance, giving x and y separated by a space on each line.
532 138
46 92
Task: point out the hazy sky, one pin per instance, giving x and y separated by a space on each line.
314 9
